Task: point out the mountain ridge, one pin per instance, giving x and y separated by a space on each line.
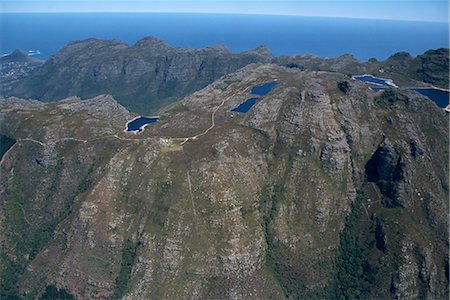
19 56
151 74
146 74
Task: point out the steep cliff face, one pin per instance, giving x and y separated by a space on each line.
313 193
143 77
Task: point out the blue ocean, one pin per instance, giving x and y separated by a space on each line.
43 34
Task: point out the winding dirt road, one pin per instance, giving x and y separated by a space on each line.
213 121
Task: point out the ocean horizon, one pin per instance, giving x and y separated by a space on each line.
44 34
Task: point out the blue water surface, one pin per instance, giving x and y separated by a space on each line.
371 79
245 106
378 89
259 90
284 35
441 98
138 124
264 89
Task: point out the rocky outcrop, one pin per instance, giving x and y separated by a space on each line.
434 67
385 168
430 67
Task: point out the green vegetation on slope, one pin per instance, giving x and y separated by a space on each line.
53 293
12 266
354 274
270 202
366 265
285 277
344 86
27 234
388 97
128 258
5 144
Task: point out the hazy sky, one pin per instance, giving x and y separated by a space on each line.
424 10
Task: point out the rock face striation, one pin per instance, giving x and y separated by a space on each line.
314 193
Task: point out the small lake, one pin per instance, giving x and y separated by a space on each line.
259 90
245 106
264 89
139 123
440 97
374 80
378 89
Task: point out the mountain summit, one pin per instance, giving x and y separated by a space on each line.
19 57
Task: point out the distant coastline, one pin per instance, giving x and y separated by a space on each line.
284 35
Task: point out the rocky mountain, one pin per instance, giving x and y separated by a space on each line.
143 77
18 56
432 67
15 66
316 192
151 74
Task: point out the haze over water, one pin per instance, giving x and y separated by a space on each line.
284 35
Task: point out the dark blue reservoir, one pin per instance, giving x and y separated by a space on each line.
245 106
377 89
139 123
264 89
371 79
259 90
440 97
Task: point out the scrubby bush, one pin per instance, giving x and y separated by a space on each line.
344 86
